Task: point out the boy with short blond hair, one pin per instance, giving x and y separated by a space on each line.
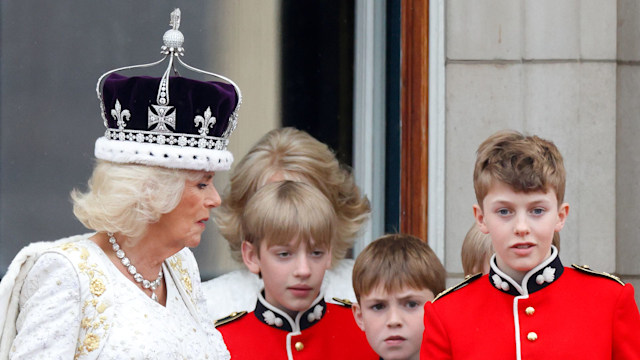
529 306
288 228
393 278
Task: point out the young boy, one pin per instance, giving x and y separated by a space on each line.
393 278
288 228
529 306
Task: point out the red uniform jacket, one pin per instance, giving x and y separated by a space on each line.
557 313
325 331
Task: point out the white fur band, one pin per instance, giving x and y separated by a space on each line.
170 156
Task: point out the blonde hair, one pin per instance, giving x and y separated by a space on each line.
282 211
294 155
525 163
397 261
126 198
476 250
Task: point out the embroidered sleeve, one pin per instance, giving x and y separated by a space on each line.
49 319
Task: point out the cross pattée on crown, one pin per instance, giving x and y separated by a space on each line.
163 116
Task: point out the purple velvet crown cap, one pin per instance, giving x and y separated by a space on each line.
171 121
189 132
190 98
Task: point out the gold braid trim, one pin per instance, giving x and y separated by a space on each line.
227 319
467 279
343 302
587 269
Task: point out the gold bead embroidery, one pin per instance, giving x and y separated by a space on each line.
97 287
187 282
93 306
176 264
91 342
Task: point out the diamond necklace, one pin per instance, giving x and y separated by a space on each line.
132 269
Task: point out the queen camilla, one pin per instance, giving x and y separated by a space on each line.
131 287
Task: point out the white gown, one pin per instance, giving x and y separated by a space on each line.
238 290
59 319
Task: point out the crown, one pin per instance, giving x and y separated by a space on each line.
171 121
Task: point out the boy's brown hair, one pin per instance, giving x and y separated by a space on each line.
285 210
525 163
396 261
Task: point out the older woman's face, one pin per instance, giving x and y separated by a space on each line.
186 222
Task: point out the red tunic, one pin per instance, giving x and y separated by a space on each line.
564 313
268 333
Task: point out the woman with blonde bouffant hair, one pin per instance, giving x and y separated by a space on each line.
130 286
286 154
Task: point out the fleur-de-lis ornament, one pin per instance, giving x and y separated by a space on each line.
120 115
205 122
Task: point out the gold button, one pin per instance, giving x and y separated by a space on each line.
529 311
299 346
530 336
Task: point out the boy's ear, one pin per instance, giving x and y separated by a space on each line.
563 212
357 315
479 215
250 257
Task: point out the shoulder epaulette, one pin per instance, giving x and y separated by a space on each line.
227 319
343 302
467 280
586 269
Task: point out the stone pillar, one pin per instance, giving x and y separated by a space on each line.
628 145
